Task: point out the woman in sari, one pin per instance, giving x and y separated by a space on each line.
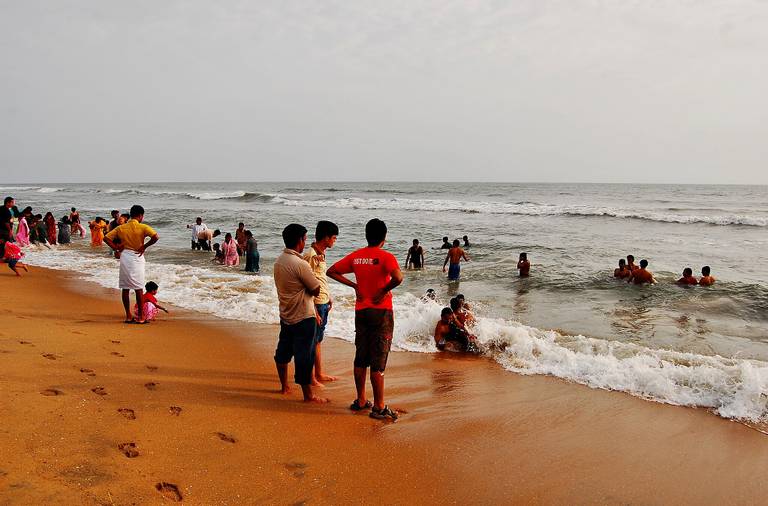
22 232
98 227
50 227
229 248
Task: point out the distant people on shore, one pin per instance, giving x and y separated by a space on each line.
415 257
128 240
454 257
326 233
151 305
297 287
197 227
642 275
706 278
688 279
377 273
251 253
523 265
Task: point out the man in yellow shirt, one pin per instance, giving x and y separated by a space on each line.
325 237
131 246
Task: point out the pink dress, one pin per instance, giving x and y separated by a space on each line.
230 253
22 233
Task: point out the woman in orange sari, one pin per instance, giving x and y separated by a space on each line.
98 227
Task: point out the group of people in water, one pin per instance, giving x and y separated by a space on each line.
229 251
640 275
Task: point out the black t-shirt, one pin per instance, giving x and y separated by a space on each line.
5 218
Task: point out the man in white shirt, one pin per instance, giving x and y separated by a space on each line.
198 227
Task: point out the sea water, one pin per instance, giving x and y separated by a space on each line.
693 346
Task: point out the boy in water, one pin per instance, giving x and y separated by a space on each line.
415 257
466 241
623 271
446 244
523 265
454 256
641 275
631 263
449 334
687 278
706 278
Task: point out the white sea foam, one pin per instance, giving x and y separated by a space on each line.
732 387
46 189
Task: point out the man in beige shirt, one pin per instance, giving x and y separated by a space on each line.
296 288
325 237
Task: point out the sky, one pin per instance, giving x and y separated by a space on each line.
400 90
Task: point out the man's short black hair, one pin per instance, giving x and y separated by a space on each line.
415 242
115 212
456 242
445 239
630 258
375 232
687 271
643 263
8 200
460 296
73 209
445 311
705 270
455 303
292 234
325 229
136 211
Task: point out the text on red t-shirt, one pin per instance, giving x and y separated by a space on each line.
372 268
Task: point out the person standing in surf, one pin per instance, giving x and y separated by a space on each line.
415 257
454 256
128 240
325 237
74 218
377 273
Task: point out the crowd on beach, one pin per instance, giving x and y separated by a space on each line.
301 279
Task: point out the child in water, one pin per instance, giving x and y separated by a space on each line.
523 265
687 278
218 254
623 271
706 278
150 303
12 255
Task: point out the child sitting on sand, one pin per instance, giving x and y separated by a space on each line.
12 254
150 303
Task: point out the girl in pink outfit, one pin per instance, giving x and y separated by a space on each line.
229 248
22 233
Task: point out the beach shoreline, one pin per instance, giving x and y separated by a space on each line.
472 433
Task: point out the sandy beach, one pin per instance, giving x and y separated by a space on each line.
97 412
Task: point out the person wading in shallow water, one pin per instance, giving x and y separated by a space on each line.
128 240
376 274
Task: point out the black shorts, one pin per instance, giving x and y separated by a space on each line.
297 342
373 338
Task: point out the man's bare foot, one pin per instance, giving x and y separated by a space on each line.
317 400
316 384
285 390
325 378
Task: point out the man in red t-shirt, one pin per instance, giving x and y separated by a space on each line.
376 274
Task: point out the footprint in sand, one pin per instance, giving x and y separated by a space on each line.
78 332
99 390
175 410
169 491
151 385
128 413
50 356
225 437
299 469
88 372
51 392
151 367
113 341
128 449
26 342
117 354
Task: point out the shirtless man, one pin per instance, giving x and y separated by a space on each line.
448 334
641 275
454 256
466 241
631 263
687 278
623 271
415 257
706 278
523 265
206 236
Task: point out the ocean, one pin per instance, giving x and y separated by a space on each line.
692 346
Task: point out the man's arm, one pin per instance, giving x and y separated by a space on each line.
396 278
143 248
464 255
446 260
407 257
421 254
335 273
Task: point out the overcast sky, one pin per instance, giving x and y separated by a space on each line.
593 91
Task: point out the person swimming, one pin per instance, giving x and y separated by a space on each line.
446 244
622 272
429 295
448 334
688 278
523 265
641 275
706 278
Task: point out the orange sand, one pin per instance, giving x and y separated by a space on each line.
473 432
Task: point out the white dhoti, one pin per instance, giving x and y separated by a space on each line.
131 270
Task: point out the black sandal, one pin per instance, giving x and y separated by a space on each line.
356 407
383 414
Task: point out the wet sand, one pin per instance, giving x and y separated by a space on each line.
93 411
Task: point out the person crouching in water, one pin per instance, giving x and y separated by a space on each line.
706 278
687 278
448 334
150 303
623 271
